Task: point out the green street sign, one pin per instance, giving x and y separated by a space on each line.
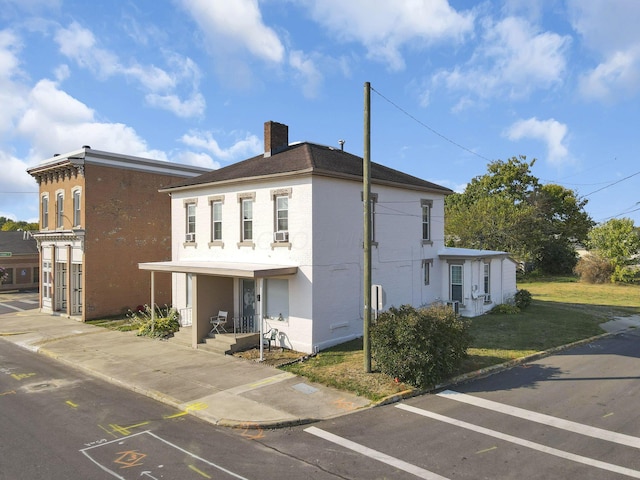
5 254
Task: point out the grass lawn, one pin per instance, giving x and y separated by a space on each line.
563 311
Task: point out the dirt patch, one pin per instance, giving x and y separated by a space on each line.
276 357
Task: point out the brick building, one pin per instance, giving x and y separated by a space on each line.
19 259
100 215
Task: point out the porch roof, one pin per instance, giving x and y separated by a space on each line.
454 252
221 269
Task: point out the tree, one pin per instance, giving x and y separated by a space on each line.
8 225
616 240
509 209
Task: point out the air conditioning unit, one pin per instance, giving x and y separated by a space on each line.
190 237
487 298
455 306
281 236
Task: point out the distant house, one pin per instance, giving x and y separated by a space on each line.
101 214
277 240
20 260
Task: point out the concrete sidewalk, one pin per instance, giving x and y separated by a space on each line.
220 389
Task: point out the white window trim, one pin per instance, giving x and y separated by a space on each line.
275 194
59 209
216 242
45 215
427 265
186 203
78 191
429 204
251 196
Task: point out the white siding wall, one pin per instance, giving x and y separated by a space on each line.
297 330
396 260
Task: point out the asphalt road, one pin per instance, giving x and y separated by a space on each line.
59 424
11 302
570 416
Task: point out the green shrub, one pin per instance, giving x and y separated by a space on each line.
165 322
421 346
625 274
504 309
522 299
593 268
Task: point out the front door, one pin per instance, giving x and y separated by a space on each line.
76 286
61 286
248 305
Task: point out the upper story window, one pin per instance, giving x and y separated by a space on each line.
247 219
216 220
281 198
59 210
246 201
426 220
45 212
76 208
190 220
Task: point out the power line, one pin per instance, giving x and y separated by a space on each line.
429 128
612 184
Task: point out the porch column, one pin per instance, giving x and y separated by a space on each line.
153 300
197 331
260 284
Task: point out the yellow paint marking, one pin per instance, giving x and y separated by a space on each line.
22 376
8 393
608 415
198 471
344 404
108 431
71 404
486 450
124 431
192 407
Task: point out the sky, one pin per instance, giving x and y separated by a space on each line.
455 85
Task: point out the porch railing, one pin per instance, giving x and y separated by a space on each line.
246 324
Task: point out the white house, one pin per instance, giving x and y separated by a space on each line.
278 238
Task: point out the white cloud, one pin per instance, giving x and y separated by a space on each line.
238 23
385 28
307 73
610 29
245 147
12 93
71 124
80 45
551 132
513 59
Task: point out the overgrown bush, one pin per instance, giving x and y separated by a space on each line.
421 346
522 299
625 274
165 322
593 268
504 309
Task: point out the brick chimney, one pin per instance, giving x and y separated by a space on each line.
276 138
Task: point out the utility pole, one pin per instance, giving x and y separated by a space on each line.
366 199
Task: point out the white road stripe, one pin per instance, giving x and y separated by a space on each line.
374 454
568 425
524 443
6 305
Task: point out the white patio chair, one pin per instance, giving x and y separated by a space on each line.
218 322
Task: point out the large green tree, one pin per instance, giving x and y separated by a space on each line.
509 209
616 240
8 225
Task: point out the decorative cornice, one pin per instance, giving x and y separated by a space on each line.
59 236
58 172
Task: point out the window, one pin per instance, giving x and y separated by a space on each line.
282 213
45 212
59 210
426 220
247 219
46 280
487 281
8 280
216 220
455 289
76 208
426 270
190 227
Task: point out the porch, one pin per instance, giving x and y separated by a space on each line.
223 344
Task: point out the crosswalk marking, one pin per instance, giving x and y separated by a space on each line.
524 443
568 425
376 455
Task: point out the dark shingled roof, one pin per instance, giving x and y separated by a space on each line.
311 158
17 244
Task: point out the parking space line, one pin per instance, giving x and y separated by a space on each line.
376 455
524 443
6 305
568 425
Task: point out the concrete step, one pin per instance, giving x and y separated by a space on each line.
230 343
